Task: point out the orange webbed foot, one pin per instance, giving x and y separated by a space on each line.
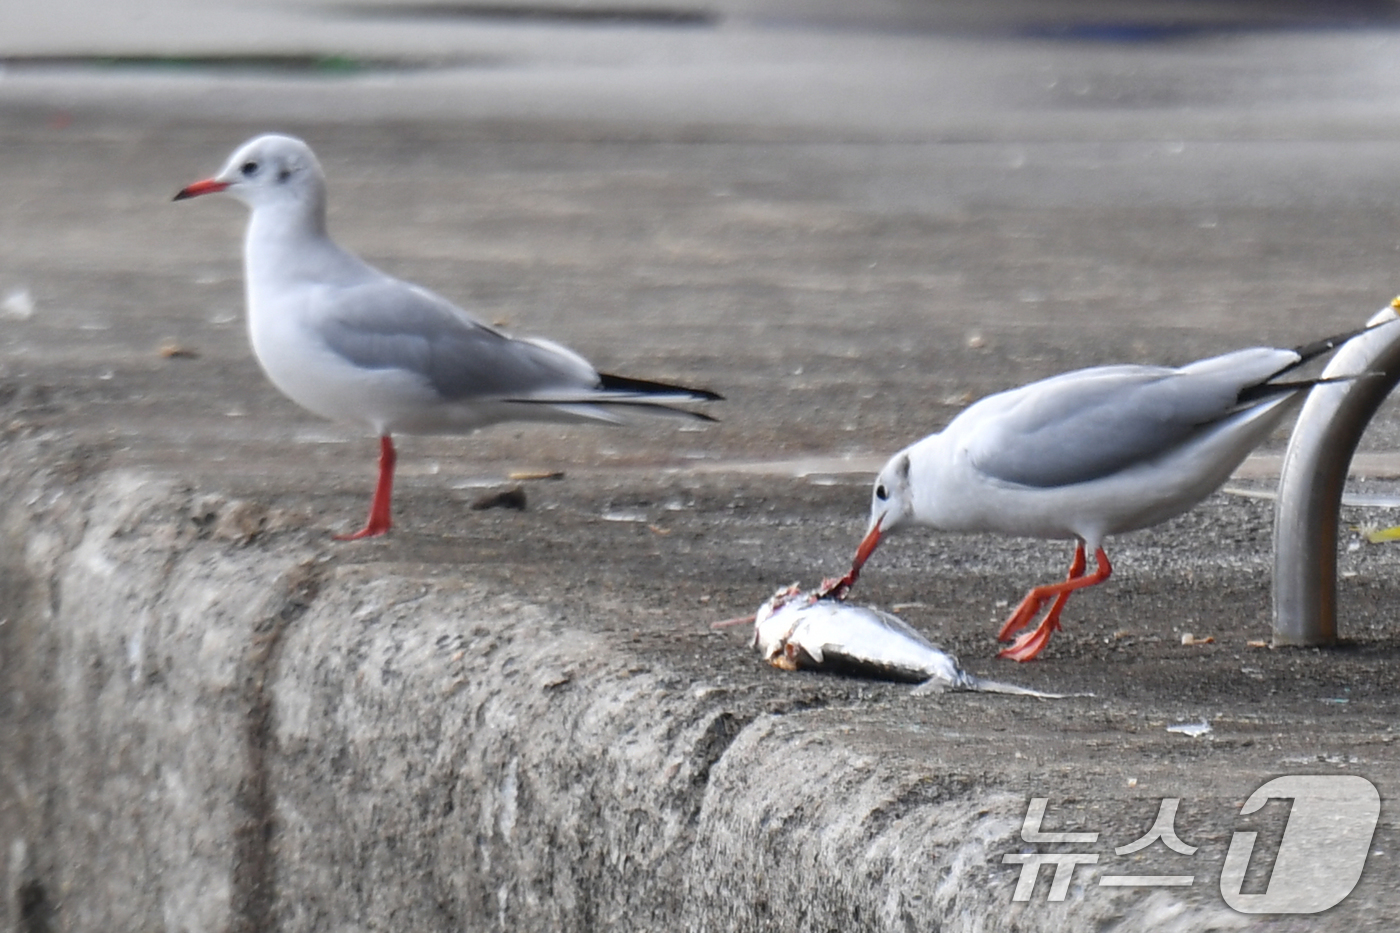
1028 645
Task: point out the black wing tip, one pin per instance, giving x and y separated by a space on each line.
1267 390
1309 351
661 407
1263 391
615 383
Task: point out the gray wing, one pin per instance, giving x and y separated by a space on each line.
390 324
1088 424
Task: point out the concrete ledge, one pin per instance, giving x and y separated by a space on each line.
208 735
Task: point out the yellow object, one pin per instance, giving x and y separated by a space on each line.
1377 535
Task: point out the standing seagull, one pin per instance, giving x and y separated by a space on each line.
1082 456
348 342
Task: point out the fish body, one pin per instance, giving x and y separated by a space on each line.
798 631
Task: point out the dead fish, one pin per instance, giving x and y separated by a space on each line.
796 630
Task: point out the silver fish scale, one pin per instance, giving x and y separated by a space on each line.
795 630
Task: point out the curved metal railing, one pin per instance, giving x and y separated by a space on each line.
1311 480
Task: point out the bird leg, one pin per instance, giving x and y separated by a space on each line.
1029 644
1076 570
1022 615
379 521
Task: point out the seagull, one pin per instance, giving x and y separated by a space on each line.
352 344
1082 456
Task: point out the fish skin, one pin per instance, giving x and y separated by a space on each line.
796 630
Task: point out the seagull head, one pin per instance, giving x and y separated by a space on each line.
267 170
891 501
891 504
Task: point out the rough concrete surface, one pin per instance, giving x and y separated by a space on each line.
214 717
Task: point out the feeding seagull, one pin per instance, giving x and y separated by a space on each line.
1085 455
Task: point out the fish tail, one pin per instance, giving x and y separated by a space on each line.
997 686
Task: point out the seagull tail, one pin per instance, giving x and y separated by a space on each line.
609 409
1266 390
1311 351
617 394
645 387
659 398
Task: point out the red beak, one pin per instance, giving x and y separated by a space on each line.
207 186
838 588
867 547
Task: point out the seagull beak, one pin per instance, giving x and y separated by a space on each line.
838 587
207 186
866 548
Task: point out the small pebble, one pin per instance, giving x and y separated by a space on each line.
512 498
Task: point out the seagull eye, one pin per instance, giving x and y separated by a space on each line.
249 169
881 492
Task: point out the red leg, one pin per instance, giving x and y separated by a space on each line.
379 521
1076 570
1022 615
1031 643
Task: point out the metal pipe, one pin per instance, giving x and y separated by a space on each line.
1310 483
